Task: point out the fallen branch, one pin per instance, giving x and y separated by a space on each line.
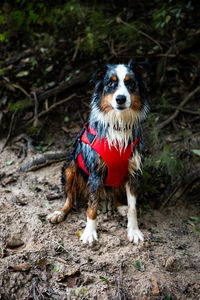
188 111
9 132
175 114
63 86
44 112
44 161
142 33
181 186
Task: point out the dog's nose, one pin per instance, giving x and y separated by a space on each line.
121 99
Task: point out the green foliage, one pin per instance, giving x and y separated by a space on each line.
85 27
166 162
170 14
19 105
195 222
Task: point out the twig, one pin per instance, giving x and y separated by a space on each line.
36 108
42 113
19 57
21 89
27 138
119 279
78 44
10 131
142 33
181 187
175 114
63 86
186 110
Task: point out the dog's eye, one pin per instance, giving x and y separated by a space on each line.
130 83
111 83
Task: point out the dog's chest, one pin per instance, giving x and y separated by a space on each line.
115 157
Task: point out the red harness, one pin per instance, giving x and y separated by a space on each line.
116 160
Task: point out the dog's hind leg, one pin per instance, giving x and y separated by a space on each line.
119 202
134 234
70 178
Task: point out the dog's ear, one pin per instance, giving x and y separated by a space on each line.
140 68
98 74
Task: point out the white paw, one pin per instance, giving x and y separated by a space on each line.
56 217
122 210
134 235
89 235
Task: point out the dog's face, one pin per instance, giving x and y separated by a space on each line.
121 88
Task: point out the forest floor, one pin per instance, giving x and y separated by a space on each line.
44 261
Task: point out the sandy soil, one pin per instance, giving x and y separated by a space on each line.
44 261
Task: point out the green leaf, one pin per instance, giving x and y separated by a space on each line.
66 119
7 191
104 279
139 266
195 219
168 297
9 162
50 68
56 268
196 151
22 74
167 18
104 207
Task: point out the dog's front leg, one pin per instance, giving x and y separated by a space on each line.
134 234
90 234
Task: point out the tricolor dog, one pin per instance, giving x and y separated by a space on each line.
107 151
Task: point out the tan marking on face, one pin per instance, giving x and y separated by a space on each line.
127 77
136 103
106 102
114 78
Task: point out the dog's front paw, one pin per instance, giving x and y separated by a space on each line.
56 217
90 234
134 235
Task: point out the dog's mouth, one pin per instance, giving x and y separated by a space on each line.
121 107
118 128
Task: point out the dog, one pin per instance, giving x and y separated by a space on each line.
107 151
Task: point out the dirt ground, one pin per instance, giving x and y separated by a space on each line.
44 261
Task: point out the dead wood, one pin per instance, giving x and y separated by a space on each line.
45 160
44 112
83 78
182 186
175 114
9 132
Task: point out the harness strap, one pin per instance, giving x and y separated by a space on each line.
116 160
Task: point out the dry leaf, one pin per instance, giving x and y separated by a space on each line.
169 263
20 267
69 275
155 290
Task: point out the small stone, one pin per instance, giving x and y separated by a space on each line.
14 242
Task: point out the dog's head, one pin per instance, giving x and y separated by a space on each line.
121 88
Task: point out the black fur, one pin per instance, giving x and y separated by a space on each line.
104 84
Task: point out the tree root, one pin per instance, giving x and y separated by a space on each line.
43 161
